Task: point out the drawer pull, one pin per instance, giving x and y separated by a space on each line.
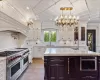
61 78
88 77
57 60
52 77
92 77
68 65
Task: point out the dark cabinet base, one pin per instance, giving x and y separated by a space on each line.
67 68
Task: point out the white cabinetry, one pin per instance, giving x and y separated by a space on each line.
38 52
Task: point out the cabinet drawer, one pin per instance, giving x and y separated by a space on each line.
54 57
89 77
56 60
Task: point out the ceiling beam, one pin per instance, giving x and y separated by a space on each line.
37 4
10 5
71 3
88 8
49 7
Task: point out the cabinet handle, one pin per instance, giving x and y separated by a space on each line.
57 60
68 65
92 77
88 77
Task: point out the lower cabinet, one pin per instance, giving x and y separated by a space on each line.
99 67
46 68
56 72
66 68
57 68
74 67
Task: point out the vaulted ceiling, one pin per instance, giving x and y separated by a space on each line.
48 10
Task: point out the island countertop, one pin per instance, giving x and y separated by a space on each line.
68 52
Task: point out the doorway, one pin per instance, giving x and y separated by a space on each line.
91 40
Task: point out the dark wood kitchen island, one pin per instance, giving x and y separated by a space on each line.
72 66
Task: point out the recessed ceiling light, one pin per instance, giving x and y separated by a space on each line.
27 8
89 19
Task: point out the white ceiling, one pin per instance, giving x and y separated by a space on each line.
46 10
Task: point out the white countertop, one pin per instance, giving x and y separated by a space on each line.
68 52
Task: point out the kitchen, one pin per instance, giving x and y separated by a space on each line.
57 41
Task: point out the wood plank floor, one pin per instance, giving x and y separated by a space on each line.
35 71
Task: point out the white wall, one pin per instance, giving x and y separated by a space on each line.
21 39
7 41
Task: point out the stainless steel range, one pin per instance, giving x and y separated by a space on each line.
17 62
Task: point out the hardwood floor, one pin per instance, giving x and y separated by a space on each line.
38 61
35 71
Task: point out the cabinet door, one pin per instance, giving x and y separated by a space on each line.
99 67
73 63
45 69
53 71
57 72
61 73
57 68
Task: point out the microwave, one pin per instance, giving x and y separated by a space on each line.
88 64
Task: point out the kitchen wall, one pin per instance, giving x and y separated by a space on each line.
65 34
8 40
21 39
36 31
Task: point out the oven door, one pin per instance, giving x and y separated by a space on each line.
25 61
14 71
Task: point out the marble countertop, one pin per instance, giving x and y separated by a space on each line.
68 52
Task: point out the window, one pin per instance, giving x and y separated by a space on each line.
49 36
46 36
53 36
